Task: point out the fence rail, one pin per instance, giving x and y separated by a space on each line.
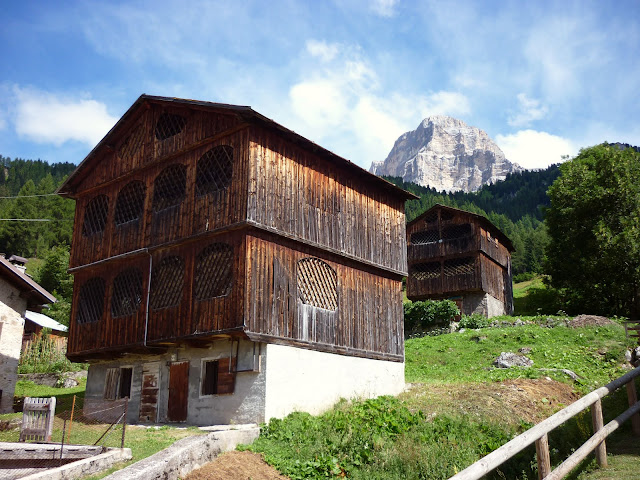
539 434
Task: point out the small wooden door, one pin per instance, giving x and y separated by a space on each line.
178 392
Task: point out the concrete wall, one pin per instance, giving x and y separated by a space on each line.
12 309
312 381
483 304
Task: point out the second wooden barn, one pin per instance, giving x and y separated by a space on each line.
462 256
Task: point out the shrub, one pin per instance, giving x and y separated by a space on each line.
428 314
474 321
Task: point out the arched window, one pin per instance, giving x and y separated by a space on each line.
214 170
91 301
317 283
169 187
95 216
130 203
169 125
127 293
214 271
167 280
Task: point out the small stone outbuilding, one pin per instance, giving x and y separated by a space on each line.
17 293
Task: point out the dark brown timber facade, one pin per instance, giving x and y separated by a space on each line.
462 256
198 222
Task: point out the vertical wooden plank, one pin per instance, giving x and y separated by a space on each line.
633 399
598 424
542 453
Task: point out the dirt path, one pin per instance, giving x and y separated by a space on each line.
236 466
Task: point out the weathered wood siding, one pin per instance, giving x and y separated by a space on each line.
367 322
190 318
193 215
137 145
299 194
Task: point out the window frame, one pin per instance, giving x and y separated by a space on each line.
113 382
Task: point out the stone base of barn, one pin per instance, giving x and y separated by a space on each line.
268 381
482 303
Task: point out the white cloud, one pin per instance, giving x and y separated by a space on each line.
384 8
529 110
340 104
324 51
532 149
44 117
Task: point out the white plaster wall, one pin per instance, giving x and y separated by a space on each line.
12 309
494 307
307 380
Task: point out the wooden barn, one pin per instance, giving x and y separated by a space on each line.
229 270
458 255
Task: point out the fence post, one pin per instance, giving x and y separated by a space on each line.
542 453
598 423
73 407
124 420
633 399
64 428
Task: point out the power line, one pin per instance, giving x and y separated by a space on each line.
35 220
33 196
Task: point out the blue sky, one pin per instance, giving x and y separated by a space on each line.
543 78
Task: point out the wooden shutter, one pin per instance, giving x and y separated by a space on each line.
111 383
226 378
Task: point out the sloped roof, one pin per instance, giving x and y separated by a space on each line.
30 289
248 115
484 221
44 321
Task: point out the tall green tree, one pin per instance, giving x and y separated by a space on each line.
593 223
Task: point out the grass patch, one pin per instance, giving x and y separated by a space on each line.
593 353
375 439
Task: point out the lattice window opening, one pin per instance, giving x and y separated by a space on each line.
95 216
169 187
214 170
425 237
459 230
167 281
91 301
317 284
425 271
130 203
132 143
126 296
214 271
459 266
169 125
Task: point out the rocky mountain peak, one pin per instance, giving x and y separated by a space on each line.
447 154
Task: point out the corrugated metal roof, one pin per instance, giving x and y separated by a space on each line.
44 321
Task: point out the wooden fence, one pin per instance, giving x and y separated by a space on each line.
632 328
538 434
